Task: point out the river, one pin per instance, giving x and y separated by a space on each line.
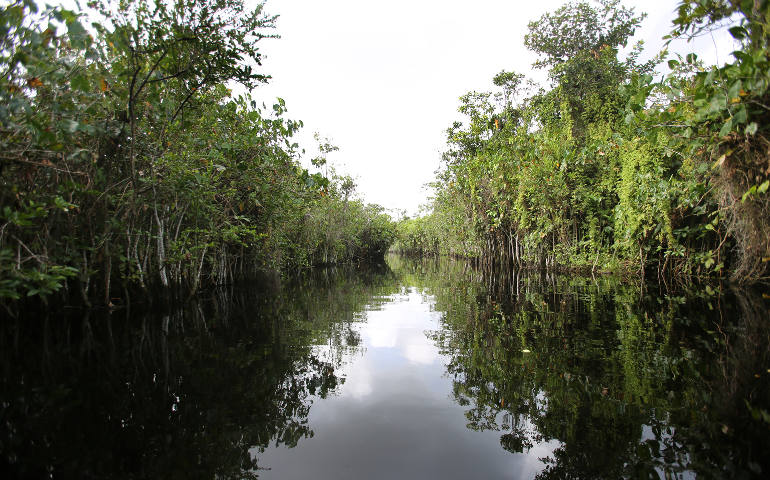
411 369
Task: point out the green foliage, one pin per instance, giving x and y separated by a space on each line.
644 201
126 163
338 229
717 120
608 168
577 28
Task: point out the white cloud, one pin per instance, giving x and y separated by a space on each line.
358 381
421 353
380 337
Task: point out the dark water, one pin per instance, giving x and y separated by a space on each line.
416 369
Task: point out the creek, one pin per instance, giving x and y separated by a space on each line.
410 369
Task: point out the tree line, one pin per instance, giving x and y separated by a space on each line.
614 166
127 163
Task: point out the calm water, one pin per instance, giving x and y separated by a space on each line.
415 369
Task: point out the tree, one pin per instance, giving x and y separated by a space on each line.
576 28
127 163
579 44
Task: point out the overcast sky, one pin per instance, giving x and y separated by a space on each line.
382 79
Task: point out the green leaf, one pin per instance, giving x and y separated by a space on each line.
718 103
751 128
68 125
743 57
747 5
738 32
80 82
748 193
740 115
65 15
31 5
710 77
726 128
763 188
734 91
78 35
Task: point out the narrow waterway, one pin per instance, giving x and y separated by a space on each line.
413 369
396 415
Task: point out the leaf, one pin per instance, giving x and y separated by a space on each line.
720 161
672 64
747 5
740 115
738 32
763 188
748 193
743 57
103 86
751 128
717 103
710 77
726 128
80 82
79 37
69 125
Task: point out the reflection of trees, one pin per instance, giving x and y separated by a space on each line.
185 394
631 383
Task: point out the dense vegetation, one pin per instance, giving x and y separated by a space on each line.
610 169
127 163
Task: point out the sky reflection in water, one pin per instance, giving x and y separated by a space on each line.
417 369
394 417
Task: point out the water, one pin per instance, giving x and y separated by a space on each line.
417 369
394 417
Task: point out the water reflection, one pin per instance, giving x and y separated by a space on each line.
419 369
630 383
394 417
186 393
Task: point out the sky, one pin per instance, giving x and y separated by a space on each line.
382 80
